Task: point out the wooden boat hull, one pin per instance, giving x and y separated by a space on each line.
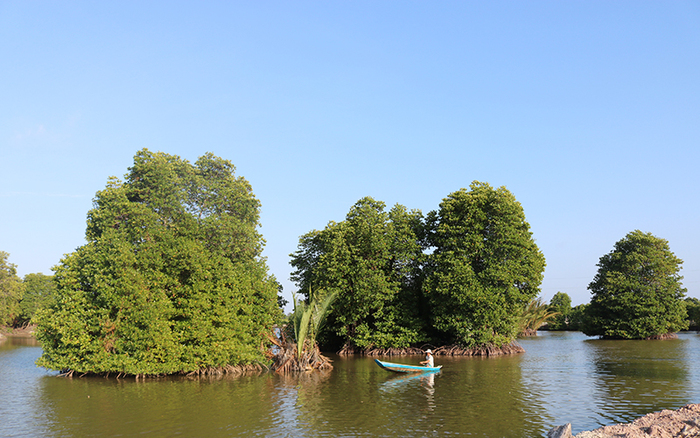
403 368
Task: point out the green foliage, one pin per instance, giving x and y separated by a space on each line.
308 320
171 278
693 308
637 292
534 316
484 269
39 293
369 260
560 303
11 291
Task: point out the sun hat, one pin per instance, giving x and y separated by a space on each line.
428 351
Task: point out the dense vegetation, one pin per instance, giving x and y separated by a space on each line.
637 292
463 275
11 290
171 279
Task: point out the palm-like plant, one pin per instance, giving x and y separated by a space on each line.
534 316
304 324
308 319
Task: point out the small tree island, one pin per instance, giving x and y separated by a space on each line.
458 279
171 279
637 292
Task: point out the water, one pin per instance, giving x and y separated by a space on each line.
563 377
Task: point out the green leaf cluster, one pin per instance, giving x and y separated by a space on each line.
637 291
461 275
171 279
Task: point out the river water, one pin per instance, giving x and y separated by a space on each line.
563 377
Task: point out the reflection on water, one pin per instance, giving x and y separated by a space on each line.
20 387
637 377
592 383
563 377
167 407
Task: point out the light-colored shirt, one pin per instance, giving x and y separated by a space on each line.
429 358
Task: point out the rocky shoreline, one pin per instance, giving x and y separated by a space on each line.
682 423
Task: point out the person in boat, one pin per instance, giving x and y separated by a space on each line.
428 362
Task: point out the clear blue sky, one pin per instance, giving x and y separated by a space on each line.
588 111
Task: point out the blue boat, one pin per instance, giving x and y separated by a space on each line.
403 368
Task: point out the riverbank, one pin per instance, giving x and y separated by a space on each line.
682 423
17 332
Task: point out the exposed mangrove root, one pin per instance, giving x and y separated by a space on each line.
349 350
394 352
663 337
528 332
228 370
486 350
448 350
286 358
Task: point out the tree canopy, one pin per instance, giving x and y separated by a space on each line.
485 267
560 303
171 278
369 261
637 292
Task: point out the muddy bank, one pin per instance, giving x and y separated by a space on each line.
683 423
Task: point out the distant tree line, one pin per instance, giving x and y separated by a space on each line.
20 299
567 318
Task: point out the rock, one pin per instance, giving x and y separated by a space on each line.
593 434
560 431
683 423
